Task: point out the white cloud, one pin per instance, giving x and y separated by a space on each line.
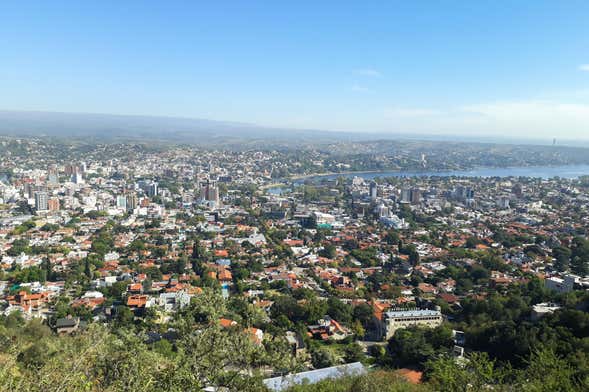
584 67
524 118
360 89
368 72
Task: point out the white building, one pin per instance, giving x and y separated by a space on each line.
323 218
394 221
398 319
122 202
560 285
111 256
541 310
173 301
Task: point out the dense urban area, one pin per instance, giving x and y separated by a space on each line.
137 267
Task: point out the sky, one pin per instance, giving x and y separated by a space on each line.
476 68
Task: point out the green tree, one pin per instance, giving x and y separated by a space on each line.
353 352
477 373
339 311
322 358
562 257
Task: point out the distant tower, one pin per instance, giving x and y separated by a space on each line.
406 195
152 189
53 204
70 169
373 190
122 202
77 178
518 190
211 192
52 176
41 201
131 202
415 195
469 193
554 142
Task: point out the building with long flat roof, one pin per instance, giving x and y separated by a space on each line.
314 376
398 319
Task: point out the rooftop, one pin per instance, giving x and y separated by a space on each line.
314 376
413 313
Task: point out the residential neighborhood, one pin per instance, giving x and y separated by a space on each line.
338 268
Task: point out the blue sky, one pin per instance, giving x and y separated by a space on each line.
471 67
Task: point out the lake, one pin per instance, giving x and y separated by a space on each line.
566 171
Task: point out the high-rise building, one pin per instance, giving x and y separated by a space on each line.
415 195
71 169
211 192
152 189
131 201
77 178
373 190
463 193
405 195
503 202
122 202
29 190
52 176
382 211
53 204
41 201
469 193
518 190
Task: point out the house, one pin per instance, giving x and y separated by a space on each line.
135 288
67 325
449 298
173 300
328 328
30 303
225 275
427 289
137 301
90 300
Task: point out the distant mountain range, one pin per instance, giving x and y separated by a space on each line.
112 127
131 127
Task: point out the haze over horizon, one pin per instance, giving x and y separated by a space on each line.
477 70
129 127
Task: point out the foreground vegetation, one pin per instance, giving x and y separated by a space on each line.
198 353
33 359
